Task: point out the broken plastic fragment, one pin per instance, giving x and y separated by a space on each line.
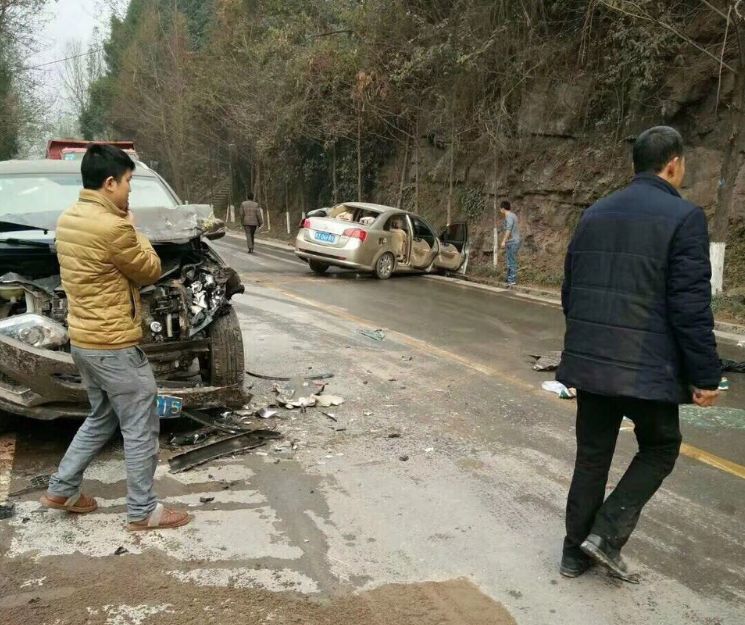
375 335
266 412
552 386
547 362
326 401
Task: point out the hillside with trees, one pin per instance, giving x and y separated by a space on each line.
439 106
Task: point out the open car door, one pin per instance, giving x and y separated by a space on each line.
453 247
424 244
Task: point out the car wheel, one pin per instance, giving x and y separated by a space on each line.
226 360
318 267
385 266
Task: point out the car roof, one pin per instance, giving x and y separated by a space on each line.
378 208
57 166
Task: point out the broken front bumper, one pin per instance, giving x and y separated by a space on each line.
43 384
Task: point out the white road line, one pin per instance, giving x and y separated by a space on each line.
7 454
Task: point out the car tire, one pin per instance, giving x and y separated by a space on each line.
318 267
384 266
226 361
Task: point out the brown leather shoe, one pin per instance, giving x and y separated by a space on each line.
160 519
78 504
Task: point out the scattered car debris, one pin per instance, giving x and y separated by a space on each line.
394 435
326 401
547 362
206 499
733 366
403 458
224 447
38 482
375 335
330 416
7 510
277 378
266 412
222 423
121 551
552 386
192 438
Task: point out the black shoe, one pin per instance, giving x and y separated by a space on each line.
598 549
250 250
574 566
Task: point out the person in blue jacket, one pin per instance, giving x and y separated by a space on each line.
639 342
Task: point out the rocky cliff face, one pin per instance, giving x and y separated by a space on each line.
560 163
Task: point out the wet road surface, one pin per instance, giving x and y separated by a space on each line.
435 497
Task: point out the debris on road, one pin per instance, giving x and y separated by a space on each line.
206 499
552 386
403 458
330 416
38 482
277 378
546 362
121 551
375 335
733 366
7 510
218 449
266 412
724 384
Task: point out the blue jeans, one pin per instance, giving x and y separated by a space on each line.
122 392
512 249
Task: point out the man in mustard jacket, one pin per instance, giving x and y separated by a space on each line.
103 263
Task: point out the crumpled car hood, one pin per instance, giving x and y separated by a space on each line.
160 225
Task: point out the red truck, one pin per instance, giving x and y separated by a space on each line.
73 149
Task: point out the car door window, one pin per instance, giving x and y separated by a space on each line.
422 231
455 235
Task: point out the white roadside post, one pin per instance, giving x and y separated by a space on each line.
716 255
287 217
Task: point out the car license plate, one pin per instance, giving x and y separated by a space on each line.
325 237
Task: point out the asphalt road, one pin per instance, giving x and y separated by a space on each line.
436 496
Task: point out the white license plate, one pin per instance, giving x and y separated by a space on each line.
325 237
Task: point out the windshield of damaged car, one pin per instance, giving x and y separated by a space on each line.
35 193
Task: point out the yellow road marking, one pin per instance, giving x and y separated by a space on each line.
7 453
727 466
713 461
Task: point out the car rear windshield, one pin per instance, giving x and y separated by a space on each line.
32 193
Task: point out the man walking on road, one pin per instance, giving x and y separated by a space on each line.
511 242
252 218
103 263
639 342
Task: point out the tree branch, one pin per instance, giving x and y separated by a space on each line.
666 26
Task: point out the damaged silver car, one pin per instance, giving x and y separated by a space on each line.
191 331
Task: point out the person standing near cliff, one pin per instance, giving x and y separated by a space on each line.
511 242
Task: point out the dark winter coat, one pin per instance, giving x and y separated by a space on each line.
637 297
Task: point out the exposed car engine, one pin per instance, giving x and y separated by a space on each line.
176 313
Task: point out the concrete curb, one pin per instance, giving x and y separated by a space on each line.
728 331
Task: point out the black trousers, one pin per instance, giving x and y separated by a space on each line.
657 430
250 232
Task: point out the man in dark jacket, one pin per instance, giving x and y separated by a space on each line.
252 218
639 342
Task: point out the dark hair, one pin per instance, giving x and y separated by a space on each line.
101 161
655 148
506 205
250 195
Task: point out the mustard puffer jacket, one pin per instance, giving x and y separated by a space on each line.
103 263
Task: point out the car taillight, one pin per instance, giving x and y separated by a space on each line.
306 223
355 233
